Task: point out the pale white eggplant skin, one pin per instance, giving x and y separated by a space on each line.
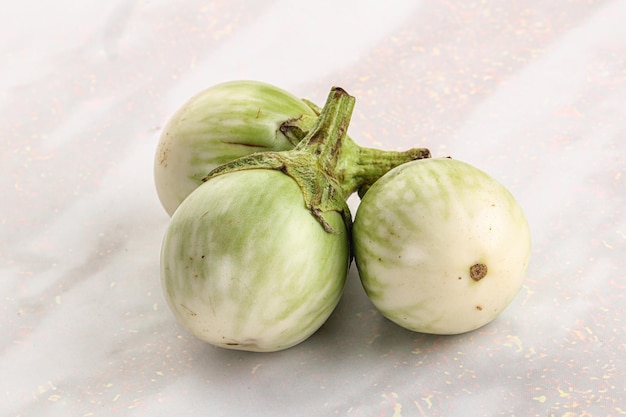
245 265
219 124
419 230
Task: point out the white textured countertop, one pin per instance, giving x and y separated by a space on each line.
532 92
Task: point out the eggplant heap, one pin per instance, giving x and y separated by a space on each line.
260 240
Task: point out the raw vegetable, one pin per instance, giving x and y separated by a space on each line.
441 247
245 266
256 257
218 125
232 120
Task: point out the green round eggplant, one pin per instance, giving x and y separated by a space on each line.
218 125
441 247
245 265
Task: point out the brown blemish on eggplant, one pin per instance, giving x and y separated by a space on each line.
478 271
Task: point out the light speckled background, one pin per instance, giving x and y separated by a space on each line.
532 92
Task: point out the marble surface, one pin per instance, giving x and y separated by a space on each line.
532 92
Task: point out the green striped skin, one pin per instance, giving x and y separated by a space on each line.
245 265
420 228
219 124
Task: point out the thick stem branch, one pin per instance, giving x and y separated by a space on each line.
355 167
326 138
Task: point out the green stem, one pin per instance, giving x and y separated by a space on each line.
355 167
326 164
312 162
360 167
327 137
